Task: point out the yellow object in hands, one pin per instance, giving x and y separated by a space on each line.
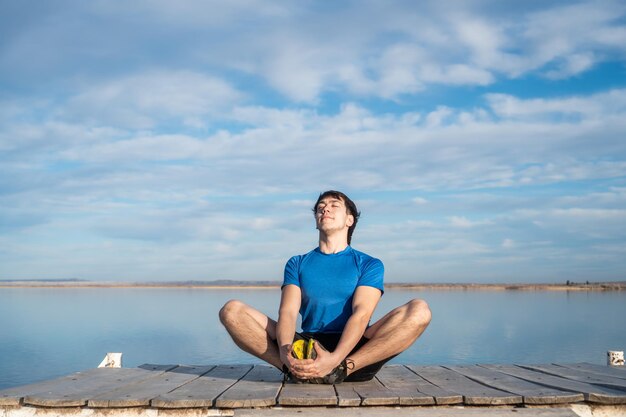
301 349
298 349
310 350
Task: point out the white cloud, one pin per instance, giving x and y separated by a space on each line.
140 148
572 65
461 74
592 213
149 99
460 222
297 71
508 243
465 223
484 38
598 105
438 117
399 68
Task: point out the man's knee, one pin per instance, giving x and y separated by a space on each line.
419 313
230 311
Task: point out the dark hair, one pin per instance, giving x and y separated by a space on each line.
350 206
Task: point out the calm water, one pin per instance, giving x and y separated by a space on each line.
47 333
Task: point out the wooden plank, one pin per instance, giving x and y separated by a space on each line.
473 393
203 391
259 388
592 393
582 376
14 396
532 393
307 395
441 395
141 393
374 393
405 384
75 390
370 393
614 371
346 395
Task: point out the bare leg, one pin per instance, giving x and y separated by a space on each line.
251 330
393 333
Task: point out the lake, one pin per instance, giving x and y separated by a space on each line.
48 332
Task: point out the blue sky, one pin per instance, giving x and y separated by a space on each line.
483 141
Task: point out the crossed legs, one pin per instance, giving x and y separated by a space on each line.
393 333
252 331
255 333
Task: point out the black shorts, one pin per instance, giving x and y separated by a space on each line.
330 342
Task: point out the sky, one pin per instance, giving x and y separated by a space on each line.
483 141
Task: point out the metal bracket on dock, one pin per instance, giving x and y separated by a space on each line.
615 358
111 360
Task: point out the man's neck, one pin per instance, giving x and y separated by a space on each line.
333 244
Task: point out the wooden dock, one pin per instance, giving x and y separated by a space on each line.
228 387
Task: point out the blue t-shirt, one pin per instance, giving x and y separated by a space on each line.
328 283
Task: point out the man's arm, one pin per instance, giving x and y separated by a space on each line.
363 305
287 320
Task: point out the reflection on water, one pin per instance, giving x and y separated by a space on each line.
53 332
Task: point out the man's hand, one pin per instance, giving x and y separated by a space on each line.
315 368
294 365
285 356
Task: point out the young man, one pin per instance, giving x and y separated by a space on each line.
336 289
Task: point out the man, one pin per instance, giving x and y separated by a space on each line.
336 289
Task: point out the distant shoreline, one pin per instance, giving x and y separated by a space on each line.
259 285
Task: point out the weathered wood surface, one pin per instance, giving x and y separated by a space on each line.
615 371
365 393
582 376
440 395
141 393
245 386
473 392
75 390
592 393
14 396
203 391
370 392
406 385
307 395
531 393
347 396
259 388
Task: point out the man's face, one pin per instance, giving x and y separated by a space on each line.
331 214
